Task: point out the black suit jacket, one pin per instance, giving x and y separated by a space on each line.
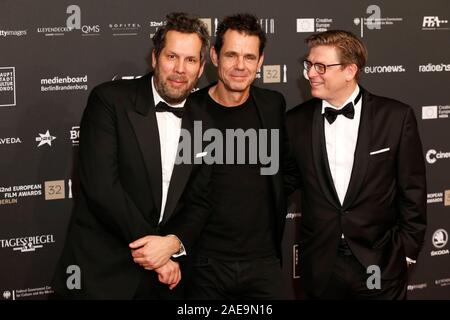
271 108
383 216
121 189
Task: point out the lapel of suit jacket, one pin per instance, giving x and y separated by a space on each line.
320 157
262 107
181 171
145 127
361 158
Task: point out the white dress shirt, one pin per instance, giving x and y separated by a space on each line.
169 128
341 137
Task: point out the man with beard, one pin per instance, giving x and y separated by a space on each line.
129 138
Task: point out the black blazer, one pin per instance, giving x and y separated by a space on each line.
383 216
121 188
271 108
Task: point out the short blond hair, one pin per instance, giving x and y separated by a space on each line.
350 48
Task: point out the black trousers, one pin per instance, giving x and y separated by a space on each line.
349 281
213 279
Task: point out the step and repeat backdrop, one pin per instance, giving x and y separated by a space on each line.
52 53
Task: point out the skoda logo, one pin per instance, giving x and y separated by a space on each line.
440 238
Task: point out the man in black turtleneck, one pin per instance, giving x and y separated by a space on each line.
238 253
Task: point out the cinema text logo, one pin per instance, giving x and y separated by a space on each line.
65 83
435 112
374 21
313 24
13 33
440 239
433 23
432 156
7 86
27 244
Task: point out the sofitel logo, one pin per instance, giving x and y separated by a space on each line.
125 29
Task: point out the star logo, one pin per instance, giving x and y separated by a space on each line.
45 138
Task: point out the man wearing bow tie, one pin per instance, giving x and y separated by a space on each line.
130 187
362 176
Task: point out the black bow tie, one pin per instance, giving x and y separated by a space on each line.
164 107
348 110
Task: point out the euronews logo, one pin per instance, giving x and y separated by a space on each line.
432 156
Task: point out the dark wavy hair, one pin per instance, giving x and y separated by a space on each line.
244 23
181 22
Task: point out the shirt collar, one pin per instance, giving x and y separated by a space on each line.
351 98
157 98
